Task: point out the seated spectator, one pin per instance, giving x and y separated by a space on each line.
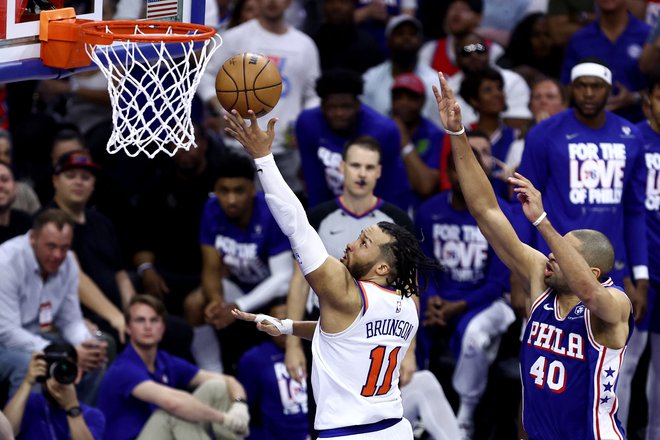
26 199
39 298
13 222
500 17
55 413
374 15
145 391
246 262
649 61
566 17
323 131
531 52
343 44
278 402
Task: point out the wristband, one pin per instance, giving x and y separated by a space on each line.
285 326
456 133
540 219
144 267
409 148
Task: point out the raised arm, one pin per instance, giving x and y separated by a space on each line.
480 197
326 275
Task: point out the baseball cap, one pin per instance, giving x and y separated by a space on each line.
409 81
398 20
75 159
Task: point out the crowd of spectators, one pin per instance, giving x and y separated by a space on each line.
128 268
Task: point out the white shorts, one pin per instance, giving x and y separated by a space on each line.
400 431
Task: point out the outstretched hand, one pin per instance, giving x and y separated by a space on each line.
264 326
257 143
529 196
450 110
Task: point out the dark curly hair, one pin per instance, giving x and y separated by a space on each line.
407 259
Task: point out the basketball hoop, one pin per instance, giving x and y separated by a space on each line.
153 70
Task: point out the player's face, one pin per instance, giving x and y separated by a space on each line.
145 327
363 255
272 10
540 39
407 105
5 150
361 171
7 188
50 246
471 53
545 100
654 108
554 277
610 5
74 185
490 99
590 95
236 196
340 111
338 11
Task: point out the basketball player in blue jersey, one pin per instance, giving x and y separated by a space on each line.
367 315
580 323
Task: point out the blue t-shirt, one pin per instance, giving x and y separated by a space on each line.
320 154
472 272
245 252
42 421
651 140
127 414
622 56
279 401
591 179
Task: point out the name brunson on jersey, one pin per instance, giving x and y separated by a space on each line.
550 338
390 327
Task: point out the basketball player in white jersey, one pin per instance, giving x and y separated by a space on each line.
367 315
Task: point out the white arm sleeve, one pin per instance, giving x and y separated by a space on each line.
308 249
277 284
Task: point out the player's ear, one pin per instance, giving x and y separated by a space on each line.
596 272
383 269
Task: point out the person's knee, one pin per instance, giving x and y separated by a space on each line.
193 307
214 392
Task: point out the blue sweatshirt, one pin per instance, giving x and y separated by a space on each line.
651 141
591 179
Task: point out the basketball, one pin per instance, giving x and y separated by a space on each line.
248 81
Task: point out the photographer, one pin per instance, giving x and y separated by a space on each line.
55 413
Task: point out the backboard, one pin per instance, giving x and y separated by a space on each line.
19 29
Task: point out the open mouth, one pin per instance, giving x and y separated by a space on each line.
361 183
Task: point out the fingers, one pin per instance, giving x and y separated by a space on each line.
447 92
271 125
243 316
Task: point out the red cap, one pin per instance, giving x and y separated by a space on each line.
409 81
75 159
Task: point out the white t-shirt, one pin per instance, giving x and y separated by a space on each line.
297 59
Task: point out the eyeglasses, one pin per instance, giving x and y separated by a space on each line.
473 48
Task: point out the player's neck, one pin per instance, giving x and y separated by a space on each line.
244 220
566 302
358 205
75 210
5 216
147 354
614 23
275 26
593 122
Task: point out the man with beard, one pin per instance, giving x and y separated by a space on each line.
404 39
323 131
246 262
367 316
580 322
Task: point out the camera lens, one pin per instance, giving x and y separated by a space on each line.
64 371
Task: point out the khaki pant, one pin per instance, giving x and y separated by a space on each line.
164 426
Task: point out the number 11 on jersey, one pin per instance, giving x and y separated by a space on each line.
377 356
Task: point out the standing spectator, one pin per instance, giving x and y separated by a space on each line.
500 17
616 38
342 43
323 132
566 17
649 60
54 413
466 304
597 182
472 57
531 52
278 401
246 262
650 132
404 38
39 296
297 59
421 139
13 222
462 18
374 15
144 393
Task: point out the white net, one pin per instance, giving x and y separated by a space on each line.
151 87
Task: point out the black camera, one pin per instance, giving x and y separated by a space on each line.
60 367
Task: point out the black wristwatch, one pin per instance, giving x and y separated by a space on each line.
74 411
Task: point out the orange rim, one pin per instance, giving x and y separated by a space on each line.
154 31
